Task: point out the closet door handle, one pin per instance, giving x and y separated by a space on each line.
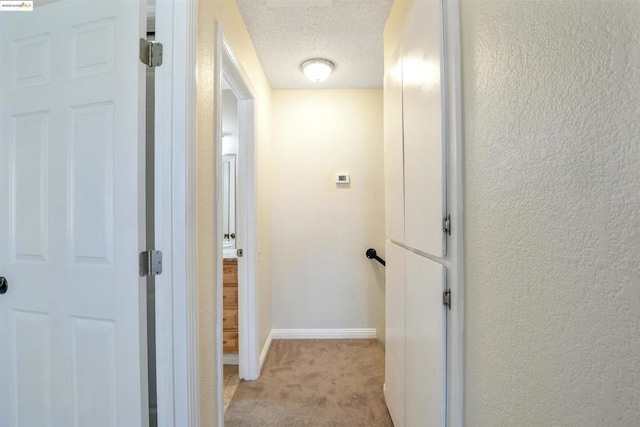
4 285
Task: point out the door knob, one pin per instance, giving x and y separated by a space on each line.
4 285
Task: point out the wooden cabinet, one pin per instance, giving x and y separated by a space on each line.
230 306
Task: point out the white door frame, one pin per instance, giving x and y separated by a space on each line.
175 216
233 74
452 118
229 69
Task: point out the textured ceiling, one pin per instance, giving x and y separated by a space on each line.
348 32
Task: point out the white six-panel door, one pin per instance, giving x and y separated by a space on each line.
72 329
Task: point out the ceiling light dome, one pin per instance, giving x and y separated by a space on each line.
317 69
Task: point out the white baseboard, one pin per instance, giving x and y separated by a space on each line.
265 350
230 359
330 334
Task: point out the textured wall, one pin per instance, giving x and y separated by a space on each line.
551 115
226 12
321 277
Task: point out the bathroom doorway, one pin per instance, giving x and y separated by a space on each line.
235 215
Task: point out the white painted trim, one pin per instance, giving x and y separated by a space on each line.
176 288
455 169
237 78
230 359
265 349
321 334
190 11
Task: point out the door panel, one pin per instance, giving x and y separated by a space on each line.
29 220
423 138
32 378
93 361
72 324
425 342
394 386
393 151
91 171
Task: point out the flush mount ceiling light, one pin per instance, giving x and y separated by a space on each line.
317 69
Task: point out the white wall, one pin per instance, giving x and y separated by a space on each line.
321 277
552 148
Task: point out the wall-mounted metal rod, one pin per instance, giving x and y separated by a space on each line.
371 254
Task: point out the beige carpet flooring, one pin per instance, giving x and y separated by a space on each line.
335 383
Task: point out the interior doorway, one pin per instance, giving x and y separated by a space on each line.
236 238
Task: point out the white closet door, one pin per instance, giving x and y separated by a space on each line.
393 151
425 342
394 389
423 139
72 323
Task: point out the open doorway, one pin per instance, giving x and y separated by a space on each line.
235 216
230 335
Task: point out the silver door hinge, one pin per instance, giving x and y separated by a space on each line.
150 53
150 263
446 225
446 299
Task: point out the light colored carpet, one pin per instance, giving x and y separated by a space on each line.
335 383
